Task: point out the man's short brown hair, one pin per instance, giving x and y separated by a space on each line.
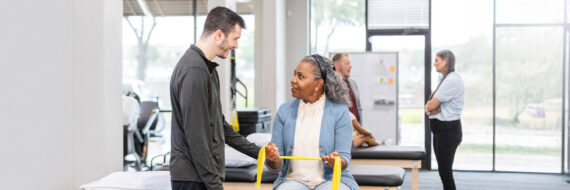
221 18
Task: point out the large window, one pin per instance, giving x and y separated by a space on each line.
529 81
244 62
530 11
411 84
518 127
337 26
153 63
151 57
154 40
466 28
529 98
510 55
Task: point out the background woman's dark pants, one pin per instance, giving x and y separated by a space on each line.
447 136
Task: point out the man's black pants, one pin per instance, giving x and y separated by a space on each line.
187 185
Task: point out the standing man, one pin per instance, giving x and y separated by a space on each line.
342 66
199 129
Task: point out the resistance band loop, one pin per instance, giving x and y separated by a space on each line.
261 161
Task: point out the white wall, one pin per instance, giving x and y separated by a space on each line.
97 111
60 77
35 77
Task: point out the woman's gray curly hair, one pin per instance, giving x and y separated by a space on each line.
335 88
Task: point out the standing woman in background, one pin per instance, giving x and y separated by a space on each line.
444 108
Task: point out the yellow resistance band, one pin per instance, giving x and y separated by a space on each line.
261 161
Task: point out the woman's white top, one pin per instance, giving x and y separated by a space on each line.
307 132
450 94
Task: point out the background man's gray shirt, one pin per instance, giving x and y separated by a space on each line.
199 129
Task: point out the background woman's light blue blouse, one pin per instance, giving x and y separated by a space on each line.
450 94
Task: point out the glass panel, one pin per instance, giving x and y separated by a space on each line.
153 45
245 68
339 25
410 84
529 99
466 28
530 11
200 25
153 64
566 97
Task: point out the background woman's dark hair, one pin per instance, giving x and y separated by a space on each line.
447 55
221 18
335 88
450 67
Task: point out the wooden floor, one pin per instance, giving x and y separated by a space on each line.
268 186
246 186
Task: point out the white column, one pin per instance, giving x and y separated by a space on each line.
96 82
224 70
297 35
269 53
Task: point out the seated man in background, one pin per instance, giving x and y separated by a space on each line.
360 135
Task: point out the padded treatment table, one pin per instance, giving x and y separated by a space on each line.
242 174
387 176
249 174
400 156
390 177
155 180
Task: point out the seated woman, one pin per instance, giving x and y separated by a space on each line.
361 135
316 123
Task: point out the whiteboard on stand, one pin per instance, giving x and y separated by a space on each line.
376 74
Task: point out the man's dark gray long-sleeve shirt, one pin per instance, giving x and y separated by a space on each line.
199 129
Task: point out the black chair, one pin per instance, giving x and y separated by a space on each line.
149 124
146 127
